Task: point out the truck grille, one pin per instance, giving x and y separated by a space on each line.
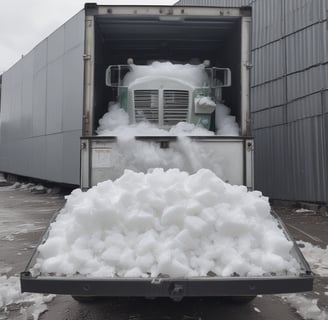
146 105
176 105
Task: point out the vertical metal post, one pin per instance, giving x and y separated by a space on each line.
88 76
244 76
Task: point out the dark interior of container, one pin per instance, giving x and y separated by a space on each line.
175 39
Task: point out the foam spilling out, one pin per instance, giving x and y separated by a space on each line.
116 123
32 304
166 222
140 156
116 120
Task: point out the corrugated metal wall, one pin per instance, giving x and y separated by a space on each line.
289 88
42 106
289 96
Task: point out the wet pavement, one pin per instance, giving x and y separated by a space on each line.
24 216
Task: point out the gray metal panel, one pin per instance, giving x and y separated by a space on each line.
325 102
307 107
74 31
16 102
286 167
324 76
325 37
55 89
268 95
31 136
27 96
54 157
308 181
73 89
268 63
38 157
71 156
39 102
267 21
213 3
270 161
304 83
56 44
40 56
302 13
269 117
305 48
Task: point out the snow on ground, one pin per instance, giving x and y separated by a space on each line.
305 307
2 178
29 186
316 257
318 260
32 304
166 222
302 210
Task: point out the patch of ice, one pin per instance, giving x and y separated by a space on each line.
316 257
32 304
166 222
306 308
302 210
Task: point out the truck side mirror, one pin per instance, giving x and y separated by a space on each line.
115 75
220 77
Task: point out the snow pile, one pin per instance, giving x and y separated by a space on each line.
194 75
10 293
166 223
316 257
2 178
306 308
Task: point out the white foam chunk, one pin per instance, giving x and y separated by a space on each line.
166 222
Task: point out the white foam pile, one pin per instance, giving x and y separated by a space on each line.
166 222
32 305
116 120
116 123
194 75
